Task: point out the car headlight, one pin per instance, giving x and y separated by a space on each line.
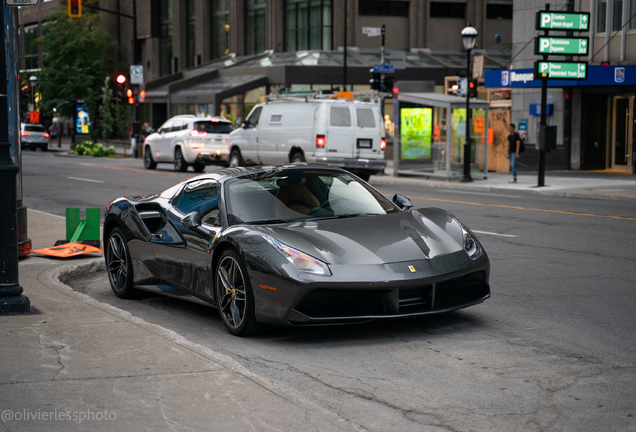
471 246
299 259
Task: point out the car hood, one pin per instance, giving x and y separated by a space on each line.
382 239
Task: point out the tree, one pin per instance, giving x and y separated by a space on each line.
106 110
79 56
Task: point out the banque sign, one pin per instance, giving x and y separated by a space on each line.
17 3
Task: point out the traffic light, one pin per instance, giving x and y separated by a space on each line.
387 84
472 88
121 92
121 79
130 94
121 97
376 81
74 8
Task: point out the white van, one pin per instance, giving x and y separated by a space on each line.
343 133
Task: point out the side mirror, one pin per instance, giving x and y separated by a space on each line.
191 220
402 202
162 132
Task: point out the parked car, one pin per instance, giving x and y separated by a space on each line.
33 136
337 132
186 140
291 245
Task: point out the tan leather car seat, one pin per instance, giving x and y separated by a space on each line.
298 199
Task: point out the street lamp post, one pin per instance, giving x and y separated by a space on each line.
34 81
469 35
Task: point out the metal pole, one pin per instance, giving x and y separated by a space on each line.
344 52
467 145
136 62
544 98
11 300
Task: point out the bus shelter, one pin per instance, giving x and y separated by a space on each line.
431 132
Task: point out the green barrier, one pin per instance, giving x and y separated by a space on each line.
82 229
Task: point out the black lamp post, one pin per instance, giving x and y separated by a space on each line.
33 81
469 35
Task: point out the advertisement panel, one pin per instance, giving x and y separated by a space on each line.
416 127
82 119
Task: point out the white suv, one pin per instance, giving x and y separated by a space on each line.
186 140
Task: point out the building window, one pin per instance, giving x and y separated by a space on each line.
220 29
190 33
448 10
499 11
255 27
308 25
383 8
31 47
632 11
601 14
617 15
165 40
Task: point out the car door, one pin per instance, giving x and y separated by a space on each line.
340 138
157 145
172 137
185 260
249 148
367 132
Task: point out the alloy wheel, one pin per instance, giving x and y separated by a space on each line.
117 264
231 286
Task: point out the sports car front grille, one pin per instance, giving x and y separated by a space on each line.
461 291
455 293
327 303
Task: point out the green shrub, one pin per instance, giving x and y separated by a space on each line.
89 148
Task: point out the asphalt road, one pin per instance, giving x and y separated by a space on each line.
553 349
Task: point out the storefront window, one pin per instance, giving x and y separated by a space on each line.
220 29
255 27
308 25
165 41
31 47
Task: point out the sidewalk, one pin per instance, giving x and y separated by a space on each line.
78 364
577 184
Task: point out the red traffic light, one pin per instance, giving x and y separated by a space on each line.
121 78
129 93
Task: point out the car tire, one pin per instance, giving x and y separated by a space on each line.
45 148
149 163
198 167
119 265
236 160
364 176
297 156
234 296
179 162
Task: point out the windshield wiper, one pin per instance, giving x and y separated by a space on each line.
343 216
267 221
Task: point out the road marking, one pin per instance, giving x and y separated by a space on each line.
494 234
525 208
86 180
480 193
128 169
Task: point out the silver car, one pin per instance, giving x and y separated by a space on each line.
33 136
186 140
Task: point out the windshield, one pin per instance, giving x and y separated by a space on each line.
301 195
219 127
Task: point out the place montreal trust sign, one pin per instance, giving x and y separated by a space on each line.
561 70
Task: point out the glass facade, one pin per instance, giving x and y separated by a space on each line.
190 44
255 27
308 25
31 47
165 42
220 29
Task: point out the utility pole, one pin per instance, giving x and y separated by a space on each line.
11 299
344 53
544 109
136 62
